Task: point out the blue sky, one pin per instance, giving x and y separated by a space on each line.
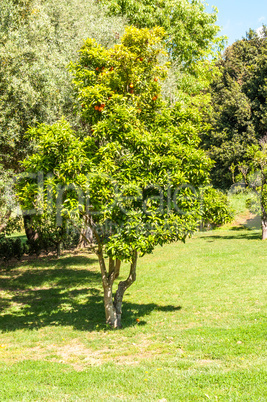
237 16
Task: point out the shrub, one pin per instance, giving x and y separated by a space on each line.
11 248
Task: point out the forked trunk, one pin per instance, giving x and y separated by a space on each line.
123 285
113 308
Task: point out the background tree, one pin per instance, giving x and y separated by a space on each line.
134 181
192 41
37 41
189 30
254 172
239 116
7 204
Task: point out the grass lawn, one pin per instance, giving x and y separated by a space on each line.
201 335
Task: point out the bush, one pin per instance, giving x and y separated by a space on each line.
49 240
215 208
11 248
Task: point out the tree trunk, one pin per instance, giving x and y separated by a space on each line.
29 231
59 246
263 213
110 311
112 308
264 226
86 237
123 285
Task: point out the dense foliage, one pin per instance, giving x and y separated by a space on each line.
11 248
189 30
37 41
192 43
239 117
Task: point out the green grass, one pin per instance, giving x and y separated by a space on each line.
201 334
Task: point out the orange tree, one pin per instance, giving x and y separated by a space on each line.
134 178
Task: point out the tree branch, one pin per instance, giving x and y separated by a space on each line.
123 285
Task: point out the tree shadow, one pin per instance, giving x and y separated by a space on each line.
61 297
49 260
234 236
254 223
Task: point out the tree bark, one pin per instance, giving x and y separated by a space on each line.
263 212
86 237
123 285
29 231
59 246
110 311
113 310
264 226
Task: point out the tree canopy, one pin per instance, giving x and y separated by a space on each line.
190 31
239 117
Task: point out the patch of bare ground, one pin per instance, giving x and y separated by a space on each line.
80 357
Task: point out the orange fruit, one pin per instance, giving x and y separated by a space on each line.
156 79
96 107
97 68
131 86
154 98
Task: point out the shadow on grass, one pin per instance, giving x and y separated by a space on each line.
49 260
61 297
234 236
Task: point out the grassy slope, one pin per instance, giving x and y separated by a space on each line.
201 333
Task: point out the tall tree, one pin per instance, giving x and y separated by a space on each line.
135 179
254 173
191 35
190 30
37 41
239 116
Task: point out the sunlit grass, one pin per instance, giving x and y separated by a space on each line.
194 326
